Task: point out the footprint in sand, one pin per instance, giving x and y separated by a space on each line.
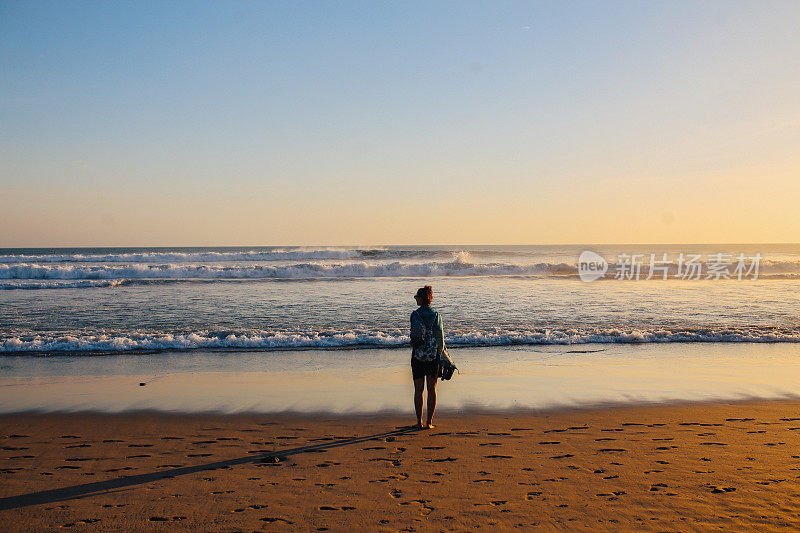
83 522
425 510
254 506
393 462
565 456
327 464
273 519
433 447
395 493
500 456
198 455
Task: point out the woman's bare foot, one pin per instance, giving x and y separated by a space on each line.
429 426
418 425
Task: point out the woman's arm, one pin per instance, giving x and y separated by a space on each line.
438 332
417 330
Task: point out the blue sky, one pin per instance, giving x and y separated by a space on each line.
172 123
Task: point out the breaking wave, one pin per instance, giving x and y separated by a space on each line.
360 269
55 276
131 342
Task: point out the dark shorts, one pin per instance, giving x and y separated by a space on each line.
421 369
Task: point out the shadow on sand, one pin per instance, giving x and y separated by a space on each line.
92 489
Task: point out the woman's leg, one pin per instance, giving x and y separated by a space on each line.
431 400
419 385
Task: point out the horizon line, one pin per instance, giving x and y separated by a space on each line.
397 245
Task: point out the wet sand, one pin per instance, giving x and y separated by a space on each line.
700 466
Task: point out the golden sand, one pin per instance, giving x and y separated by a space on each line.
709 466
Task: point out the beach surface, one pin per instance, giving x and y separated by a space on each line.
688 466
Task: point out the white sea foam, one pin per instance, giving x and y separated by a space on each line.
275 340
61 284
460 266
355 269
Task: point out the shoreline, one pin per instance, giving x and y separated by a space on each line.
688 465
471 410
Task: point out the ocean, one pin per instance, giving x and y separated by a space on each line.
343 310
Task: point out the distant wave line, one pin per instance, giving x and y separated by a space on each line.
53 276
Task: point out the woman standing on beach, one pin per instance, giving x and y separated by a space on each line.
427 342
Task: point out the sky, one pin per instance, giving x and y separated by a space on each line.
355 123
